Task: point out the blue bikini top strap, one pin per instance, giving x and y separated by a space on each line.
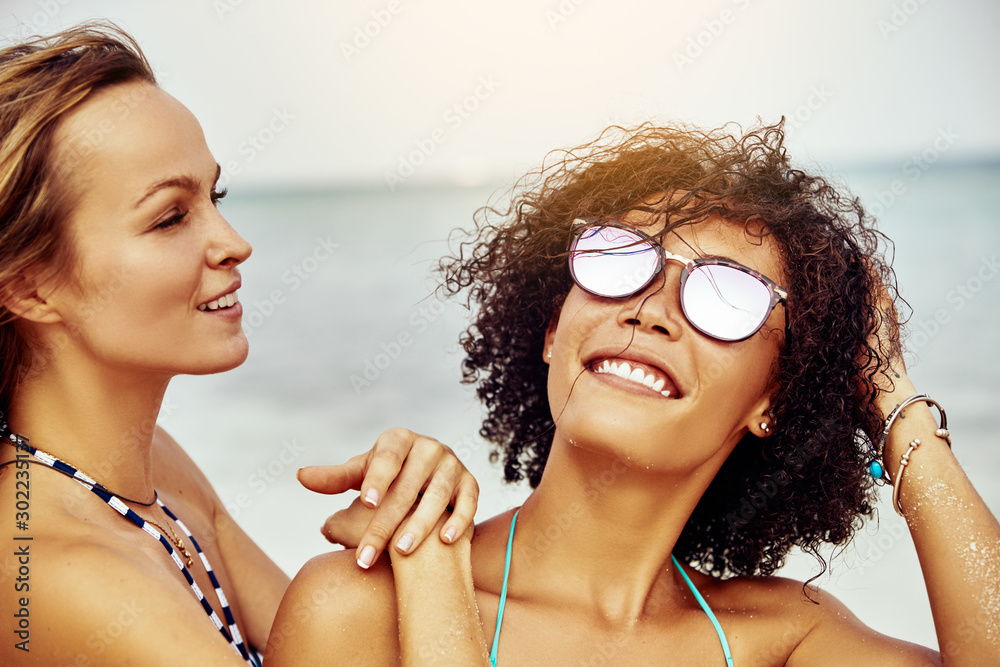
503 601
707 610
503 592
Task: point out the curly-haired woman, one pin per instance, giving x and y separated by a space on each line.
688 347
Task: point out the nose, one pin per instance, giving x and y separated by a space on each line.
656 308
226 247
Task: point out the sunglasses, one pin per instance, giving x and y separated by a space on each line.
720 298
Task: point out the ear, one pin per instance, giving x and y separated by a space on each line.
760 421
23 298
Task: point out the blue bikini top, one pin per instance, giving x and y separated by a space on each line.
694 591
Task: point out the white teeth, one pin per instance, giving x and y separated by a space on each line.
226 301
625 371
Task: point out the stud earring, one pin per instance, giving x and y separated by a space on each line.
550 354
764 427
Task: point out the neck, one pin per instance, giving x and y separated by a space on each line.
100 421
600 527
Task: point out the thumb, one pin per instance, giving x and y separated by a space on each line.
334 479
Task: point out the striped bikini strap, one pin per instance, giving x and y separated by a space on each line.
236 639
232 634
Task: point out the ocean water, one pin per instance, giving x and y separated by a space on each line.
347 339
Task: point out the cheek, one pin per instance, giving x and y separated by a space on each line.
738 375
132 287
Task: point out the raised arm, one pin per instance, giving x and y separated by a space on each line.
956 536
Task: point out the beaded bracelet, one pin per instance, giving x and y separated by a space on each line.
876 468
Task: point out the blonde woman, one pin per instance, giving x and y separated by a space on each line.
117 273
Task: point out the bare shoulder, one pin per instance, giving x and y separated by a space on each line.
90 603
784 622
335 612
837 636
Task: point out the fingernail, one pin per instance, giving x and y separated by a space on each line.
405 542
297 474
450 534
366 557
372 497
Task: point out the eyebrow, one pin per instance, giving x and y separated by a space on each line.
184 182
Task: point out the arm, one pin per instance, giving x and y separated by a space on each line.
331 602
438 615
399 466
956 536
400 470
958 544
421 610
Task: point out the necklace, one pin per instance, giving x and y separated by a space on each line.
49 461
21 442
178 542
227 629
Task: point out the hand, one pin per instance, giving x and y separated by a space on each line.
401 465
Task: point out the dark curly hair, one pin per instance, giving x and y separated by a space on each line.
805 485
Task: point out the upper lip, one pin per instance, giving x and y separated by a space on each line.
637 354
229 290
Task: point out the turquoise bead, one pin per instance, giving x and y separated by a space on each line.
875 468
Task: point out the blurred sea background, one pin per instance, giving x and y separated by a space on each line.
355 136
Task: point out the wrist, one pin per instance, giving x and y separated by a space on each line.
432 548
888 399
896 435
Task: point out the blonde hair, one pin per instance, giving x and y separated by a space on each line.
42 80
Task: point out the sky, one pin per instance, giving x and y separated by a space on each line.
393 93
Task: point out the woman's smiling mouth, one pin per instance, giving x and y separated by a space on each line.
641 374
224 301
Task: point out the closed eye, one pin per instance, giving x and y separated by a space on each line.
171 221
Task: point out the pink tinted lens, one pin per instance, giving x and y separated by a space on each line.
613 262
725 302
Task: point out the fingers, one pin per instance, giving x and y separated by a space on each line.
385 460
346 526
334 479
440 491
403 465
465 502
401 496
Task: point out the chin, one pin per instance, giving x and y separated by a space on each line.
232 357
642 444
